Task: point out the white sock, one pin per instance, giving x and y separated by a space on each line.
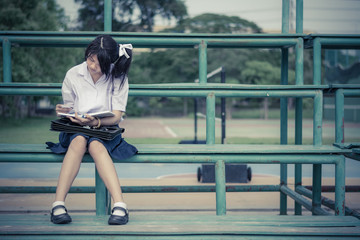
59 210
119 212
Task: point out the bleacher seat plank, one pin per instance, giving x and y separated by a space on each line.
154 225
197 149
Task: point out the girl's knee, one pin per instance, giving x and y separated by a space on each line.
79 142
96 147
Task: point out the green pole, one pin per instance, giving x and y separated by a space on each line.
299 62
108 15
318 112
285 16
101 196
284 128
203 62
6 44
283 103
220 188
210 119
316 191
340 187
317 61
299 16
298 103
317 138
339 116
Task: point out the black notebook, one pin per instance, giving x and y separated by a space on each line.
104 132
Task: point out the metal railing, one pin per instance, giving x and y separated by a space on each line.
204 89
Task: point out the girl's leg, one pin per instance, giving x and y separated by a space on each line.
106 169
70 167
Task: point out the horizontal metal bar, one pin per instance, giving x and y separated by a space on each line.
145 41
303 201
172 93
223 93
153 42
30 91
142 189
351 92
326 201
340 42
187 158
149 34
332 188
178 86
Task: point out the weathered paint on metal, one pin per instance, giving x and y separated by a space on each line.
326 201
340 187
108 15
144 189
7 73
316 193
220 188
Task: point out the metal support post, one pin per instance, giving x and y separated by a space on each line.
210 119
317 140
195 119
220 188
299 62
203 62
108 15
339 116
317 61
285 16
283 103
318 112
299 16
340 187
101 196
298 110
223 110
316 193
6 44
298 182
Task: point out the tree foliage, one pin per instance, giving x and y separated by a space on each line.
215 23
130 15
31 15
33 64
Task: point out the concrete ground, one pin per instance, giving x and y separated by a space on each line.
249 202
183 128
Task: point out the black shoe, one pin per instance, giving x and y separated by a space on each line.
119 220
61 218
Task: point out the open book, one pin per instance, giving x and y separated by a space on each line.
97 114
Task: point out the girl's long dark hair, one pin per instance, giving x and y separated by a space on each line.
107 51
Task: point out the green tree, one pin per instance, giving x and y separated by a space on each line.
130 15
181 65
215 23
34 64
32 15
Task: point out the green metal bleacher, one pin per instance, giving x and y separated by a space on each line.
207 226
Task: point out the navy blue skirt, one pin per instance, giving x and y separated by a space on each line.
118 148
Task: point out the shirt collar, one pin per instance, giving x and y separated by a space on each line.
83 70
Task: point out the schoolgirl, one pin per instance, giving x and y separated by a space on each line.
98 84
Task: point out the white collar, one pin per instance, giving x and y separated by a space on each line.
84 71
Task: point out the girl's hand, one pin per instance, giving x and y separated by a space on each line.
84 120
62 109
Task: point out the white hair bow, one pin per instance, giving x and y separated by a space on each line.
122 49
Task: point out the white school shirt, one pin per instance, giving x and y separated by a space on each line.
84 96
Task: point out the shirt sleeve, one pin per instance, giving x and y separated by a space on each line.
120 95
67 91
